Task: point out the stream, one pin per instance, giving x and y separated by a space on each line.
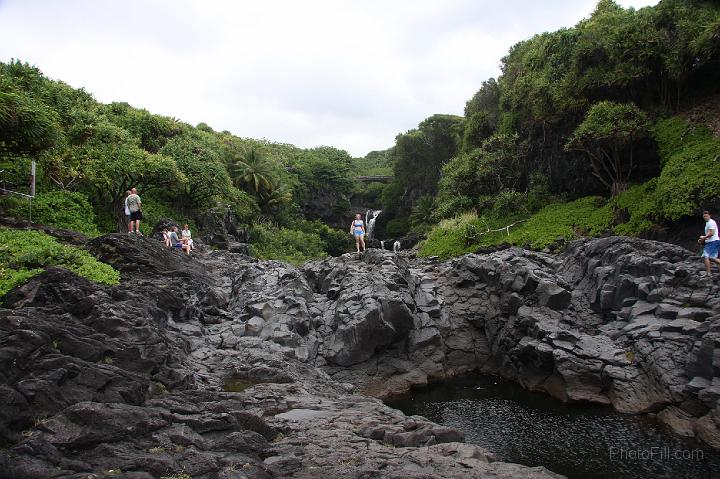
578 441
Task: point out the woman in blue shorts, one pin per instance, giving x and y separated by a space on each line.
357 229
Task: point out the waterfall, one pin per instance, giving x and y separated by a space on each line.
370 222
382 244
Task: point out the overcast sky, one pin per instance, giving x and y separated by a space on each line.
350 74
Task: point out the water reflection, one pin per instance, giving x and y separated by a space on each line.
579 441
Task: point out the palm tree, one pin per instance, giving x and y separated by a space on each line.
276 195
252 173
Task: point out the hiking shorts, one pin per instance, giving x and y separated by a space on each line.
711 249
135 215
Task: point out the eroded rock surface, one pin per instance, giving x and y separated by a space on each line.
219 366
619 321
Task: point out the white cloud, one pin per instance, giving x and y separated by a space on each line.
350 74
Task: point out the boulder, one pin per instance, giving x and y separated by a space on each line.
220 228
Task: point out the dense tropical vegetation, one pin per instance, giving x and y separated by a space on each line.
89 154
603 127
595 120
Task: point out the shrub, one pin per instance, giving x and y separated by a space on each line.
154 210
510 202
448 238
283 244
397 226
24 254
335 242
674 134
450 206
690 177
243 205
556 222
587 216
61 209
640 203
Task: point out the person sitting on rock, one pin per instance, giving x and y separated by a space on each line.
186 236
711 240
166 237
175 241
357 229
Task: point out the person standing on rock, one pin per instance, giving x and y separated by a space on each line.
127 212
711 241
135 206
357 229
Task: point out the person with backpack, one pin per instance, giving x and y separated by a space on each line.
135 207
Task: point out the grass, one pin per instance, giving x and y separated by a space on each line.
24 254
557 223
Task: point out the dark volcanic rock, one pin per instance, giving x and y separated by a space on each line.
219 365
220 228
204 366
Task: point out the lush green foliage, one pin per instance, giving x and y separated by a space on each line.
556 224
418 158
608 134
640 205
448 238
691 175
474 179
88 151
519 152
24 254
62 209
562 222
335 242
292 245
375 163
586 92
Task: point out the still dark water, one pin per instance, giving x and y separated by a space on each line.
578 441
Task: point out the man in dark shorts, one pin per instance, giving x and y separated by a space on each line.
135 206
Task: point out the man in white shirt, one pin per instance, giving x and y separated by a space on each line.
711 240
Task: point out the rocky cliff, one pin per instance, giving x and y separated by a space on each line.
219 366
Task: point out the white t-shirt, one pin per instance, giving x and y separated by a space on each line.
711 225
127 210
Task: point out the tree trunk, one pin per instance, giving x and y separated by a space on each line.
121 220
618 187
